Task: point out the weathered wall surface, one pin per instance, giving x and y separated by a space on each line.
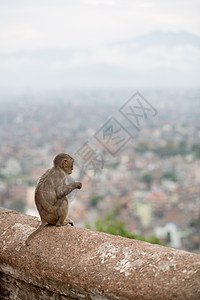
74 263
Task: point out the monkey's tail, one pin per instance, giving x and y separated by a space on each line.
35 232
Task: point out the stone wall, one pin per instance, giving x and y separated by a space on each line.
73 263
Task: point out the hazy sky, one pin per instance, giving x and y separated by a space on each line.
92 26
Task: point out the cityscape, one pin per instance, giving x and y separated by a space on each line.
149 168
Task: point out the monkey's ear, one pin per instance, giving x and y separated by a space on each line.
64 162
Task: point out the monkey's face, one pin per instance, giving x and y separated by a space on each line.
68 165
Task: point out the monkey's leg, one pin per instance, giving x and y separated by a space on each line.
62 213
42 225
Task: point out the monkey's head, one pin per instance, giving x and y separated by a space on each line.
65 162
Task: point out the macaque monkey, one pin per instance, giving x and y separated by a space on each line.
51 192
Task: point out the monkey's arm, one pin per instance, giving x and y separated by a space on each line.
64 190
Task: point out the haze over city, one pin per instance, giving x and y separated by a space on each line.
73 74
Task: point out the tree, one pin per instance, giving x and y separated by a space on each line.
182 147
142 147
19 206
196 150
95 199
169 176
147 178
110 224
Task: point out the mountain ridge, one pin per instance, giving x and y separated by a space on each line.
153 38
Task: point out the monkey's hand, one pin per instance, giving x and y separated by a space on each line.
78 185
69 188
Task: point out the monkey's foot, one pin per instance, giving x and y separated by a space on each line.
68 223
65 222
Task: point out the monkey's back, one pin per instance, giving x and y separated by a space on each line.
47 202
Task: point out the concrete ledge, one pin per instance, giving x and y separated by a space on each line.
74 263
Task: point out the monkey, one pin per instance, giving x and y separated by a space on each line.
51 191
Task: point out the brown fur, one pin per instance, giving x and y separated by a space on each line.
51 192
